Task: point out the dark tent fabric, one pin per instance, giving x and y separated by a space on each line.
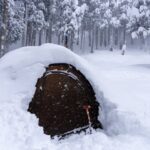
64 101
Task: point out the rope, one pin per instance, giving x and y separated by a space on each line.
87 108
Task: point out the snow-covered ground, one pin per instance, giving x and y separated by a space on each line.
121 83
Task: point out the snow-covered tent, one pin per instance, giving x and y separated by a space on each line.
64 101
20 70
125 82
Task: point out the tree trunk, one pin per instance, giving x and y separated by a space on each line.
46 34
116 37
105 36
58 38
101 38
92 44
78 39
24 35
89 37
50 32
33 37
0 40
109 35
71 40
124 34
66 41
40 37
4 28
96 37
120 38
81 43
111 41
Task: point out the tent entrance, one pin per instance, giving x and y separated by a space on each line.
60 101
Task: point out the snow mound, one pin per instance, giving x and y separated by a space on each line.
20 70
19 130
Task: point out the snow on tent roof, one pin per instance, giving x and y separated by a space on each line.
31 62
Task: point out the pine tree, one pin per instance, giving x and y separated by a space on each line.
66 21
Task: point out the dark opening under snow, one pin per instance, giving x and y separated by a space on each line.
64 101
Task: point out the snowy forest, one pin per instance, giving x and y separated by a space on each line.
83 23
74 74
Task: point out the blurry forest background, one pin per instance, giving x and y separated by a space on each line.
85 25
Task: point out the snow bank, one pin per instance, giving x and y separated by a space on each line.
125 81
19 71
19 130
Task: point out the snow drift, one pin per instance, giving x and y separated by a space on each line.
19 71
19 130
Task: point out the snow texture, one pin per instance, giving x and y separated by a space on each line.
125 112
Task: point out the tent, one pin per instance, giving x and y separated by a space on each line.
64 101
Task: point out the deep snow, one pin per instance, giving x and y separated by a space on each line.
123 80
